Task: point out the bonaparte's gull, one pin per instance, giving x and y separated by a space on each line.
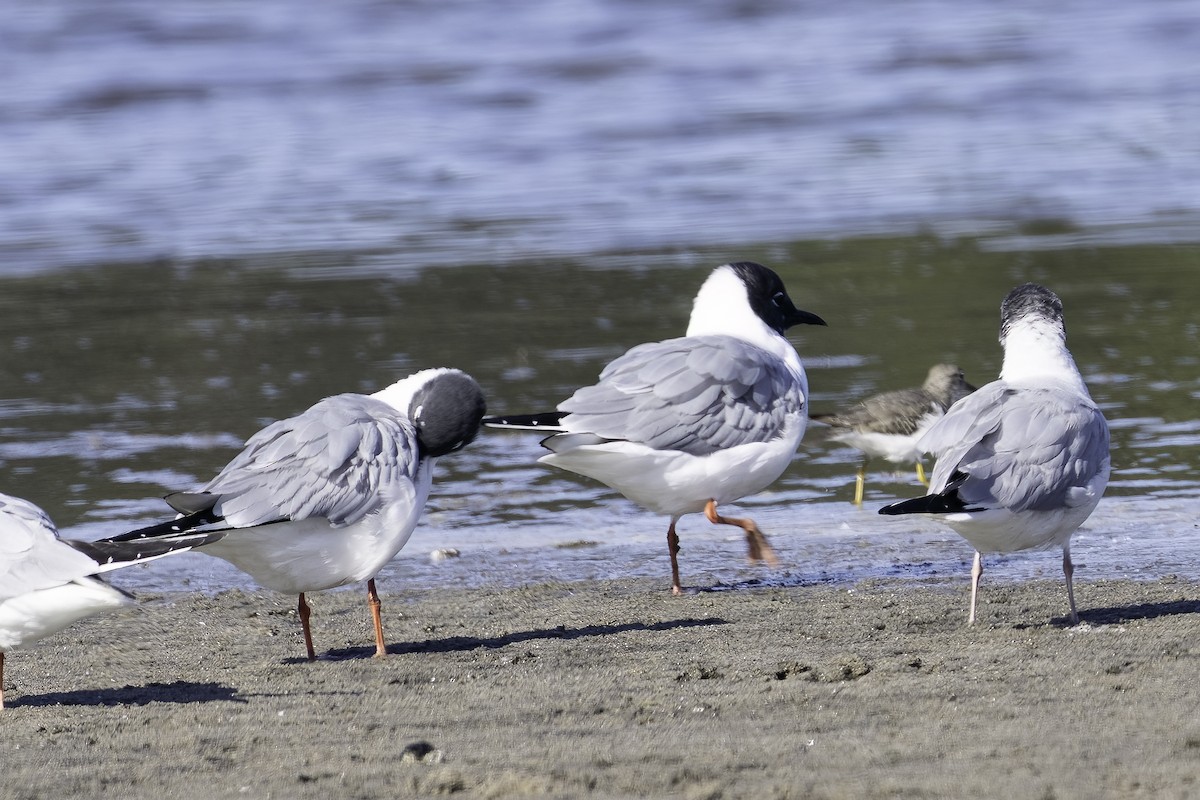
685 425
328 497
1023 461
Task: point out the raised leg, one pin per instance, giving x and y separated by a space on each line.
673 549
921 473
1069 571
756 543
376 617
976 571
860 483
305 612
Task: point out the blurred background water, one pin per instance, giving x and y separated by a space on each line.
214 214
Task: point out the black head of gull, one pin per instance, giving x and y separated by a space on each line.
446 410
769 299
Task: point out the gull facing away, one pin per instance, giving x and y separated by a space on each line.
328 497
889 425
1022 462
685 425
48 583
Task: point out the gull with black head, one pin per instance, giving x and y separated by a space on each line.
328 497
1023 461
48 583
890 424
688 424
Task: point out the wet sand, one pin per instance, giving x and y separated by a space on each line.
616 689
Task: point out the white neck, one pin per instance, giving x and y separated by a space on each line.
400 394
1036 352
722 308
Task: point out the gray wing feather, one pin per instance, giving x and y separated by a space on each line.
697 394
1019 448
31 554
331 461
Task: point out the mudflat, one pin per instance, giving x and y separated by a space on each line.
617 689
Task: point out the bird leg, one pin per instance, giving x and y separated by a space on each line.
921 473
673 549
1 679
1069 571
756 543
976 571
305 612
860 482
375 606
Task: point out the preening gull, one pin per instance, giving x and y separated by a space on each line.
328 497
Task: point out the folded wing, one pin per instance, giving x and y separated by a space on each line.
697 394
1020 448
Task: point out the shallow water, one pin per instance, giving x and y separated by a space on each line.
214 214
128 382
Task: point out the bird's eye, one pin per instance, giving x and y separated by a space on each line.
777 299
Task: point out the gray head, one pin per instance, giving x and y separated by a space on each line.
1031 304
769 299
446 410
947 384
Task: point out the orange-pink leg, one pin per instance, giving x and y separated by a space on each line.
305 612
673 549
376 617
756 543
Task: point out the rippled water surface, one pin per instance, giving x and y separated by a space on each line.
417 132
127 382
214 214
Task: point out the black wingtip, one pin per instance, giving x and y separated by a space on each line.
548 420
945 503
170 528
917 505
112 551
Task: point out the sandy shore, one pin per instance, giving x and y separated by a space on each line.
616 689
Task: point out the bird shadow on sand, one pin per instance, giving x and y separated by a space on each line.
176 692
1115 615
464 643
